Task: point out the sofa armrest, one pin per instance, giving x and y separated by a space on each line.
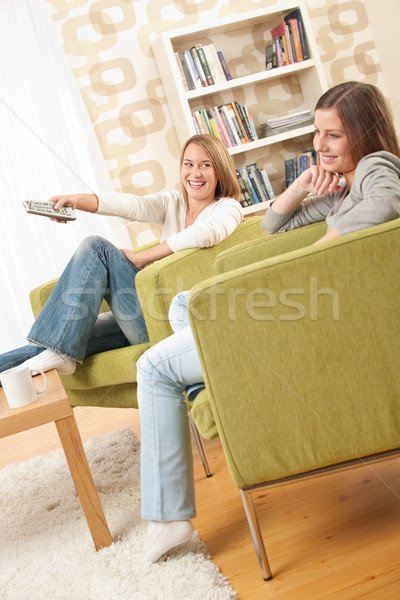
159 282
267 246
304 373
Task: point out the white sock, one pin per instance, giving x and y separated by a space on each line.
165 535
49 359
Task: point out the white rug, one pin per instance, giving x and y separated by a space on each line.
47 553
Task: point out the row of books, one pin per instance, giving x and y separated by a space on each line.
288 122
231 123
255 185
201 66
295 166
288 44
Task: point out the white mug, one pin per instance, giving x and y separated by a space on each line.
19 388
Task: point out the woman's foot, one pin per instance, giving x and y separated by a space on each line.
165 535
49 359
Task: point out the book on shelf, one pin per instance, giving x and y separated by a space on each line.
204 64
188 57
289 42
186 77
214 125
282 36
296 21
247 120
214 63
249 197
255 185
287 123
201 66
224 66
231 123
198 65
270 55
234 106
245 195
293 26
230 128
298 164
235 123
220 130
267 184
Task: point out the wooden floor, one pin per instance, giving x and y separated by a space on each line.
335 537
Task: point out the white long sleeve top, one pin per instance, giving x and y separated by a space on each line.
168 209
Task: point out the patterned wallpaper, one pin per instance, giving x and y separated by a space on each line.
108 45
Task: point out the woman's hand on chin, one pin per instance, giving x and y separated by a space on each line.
317 180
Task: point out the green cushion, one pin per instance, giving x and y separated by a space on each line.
111 368
122 396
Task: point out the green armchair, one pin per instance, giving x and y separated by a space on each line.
300 354
108 379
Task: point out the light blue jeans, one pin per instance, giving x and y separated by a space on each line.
163 374
69 321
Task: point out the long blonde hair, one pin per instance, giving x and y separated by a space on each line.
228 185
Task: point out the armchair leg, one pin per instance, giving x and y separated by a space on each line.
200 446
256 533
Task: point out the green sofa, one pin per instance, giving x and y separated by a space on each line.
300 351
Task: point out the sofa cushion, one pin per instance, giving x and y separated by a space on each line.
114 367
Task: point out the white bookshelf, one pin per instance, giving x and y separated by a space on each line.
242 39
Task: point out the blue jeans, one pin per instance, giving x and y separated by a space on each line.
69 322
163 374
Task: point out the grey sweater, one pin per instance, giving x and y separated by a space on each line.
374 198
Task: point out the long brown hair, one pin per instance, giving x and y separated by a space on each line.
365 116
228 185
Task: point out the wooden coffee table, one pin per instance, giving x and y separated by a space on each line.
54 406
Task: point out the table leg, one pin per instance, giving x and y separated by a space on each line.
83 480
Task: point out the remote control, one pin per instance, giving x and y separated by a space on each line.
46 209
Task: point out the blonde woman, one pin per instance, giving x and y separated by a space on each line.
203 213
